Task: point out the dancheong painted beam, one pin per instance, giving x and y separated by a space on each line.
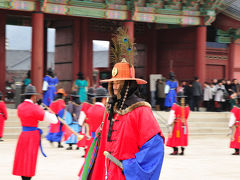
185 12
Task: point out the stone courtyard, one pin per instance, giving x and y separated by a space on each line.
207 158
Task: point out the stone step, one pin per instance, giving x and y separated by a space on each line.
208 130
211 124
207 119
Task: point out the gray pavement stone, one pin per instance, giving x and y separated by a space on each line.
207 158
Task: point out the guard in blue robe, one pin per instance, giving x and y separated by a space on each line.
171 94
49 87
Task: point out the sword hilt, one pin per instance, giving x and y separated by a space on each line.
113 159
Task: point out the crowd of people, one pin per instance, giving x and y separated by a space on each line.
215 96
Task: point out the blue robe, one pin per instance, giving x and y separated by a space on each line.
147 163
73 108
56 137
171 96
49 95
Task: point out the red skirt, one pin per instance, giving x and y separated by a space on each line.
179 136
2 122
54 128
236 142
26 154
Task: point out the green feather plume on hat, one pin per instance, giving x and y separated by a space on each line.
122 47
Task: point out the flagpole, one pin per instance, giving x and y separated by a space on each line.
80 137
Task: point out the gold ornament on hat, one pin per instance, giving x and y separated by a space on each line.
114 71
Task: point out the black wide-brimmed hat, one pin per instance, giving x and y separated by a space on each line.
75 94
49 70
91 92
181 95
30 90
101 92
171 74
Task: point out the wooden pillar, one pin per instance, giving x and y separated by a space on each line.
130 27
76 48
85 63
231 60
45 55
37 49
2 52
200 62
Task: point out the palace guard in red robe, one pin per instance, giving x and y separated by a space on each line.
3 116
56 130
234 125
85 142
178 135
29 141
130 132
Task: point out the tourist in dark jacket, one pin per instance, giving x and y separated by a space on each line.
197 93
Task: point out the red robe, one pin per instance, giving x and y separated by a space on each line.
84 142
28 142
3 116
130 131
56 106
235 143
179 135
95 117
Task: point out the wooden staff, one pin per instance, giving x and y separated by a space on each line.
233 132
183 115
104 116
80 137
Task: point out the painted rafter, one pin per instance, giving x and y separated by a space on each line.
182 12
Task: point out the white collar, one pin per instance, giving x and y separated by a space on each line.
99 103
28 100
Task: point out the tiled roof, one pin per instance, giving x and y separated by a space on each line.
232 9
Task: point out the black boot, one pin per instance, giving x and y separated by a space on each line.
26 178
1 139
236 152
59 145
70 147
182 153
175 151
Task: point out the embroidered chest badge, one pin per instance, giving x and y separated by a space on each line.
114 71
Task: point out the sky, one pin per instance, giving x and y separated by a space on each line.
20 38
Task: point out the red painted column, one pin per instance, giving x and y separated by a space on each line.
130 27
76 48
37 49
231 60
200 62
2 52
45 55
85 59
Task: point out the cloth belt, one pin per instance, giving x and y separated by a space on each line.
93 134
25 129
51 85
172 88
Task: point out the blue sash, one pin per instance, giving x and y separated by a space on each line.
93 134
25 128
